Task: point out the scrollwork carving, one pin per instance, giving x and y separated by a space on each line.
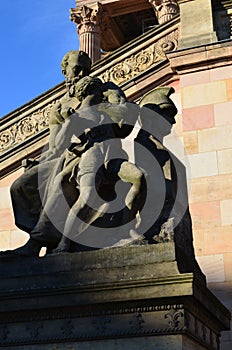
139 62
174 318
25 128
34 331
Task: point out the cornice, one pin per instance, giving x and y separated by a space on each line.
201 58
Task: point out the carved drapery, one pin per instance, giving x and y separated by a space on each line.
25 128
142 60
88 20
165 9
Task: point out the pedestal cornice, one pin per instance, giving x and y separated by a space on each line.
114 293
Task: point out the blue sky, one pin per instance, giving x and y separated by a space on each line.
34 37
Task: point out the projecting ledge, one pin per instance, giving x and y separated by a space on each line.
108 297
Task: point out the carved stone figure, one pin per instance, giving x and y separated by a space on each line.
99 144
82 155
173 221
28 190
57 200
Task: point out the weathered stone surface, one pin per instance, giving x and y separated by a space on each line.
106 298
173 342
196 23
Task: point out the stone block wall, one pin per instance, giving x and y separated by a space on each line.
10 236
207 124
204 123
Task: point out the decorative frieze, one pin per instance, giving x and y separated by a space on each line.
24 128
140 61
156 320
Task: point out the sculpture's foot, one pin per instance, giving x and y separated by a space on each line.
63 247
68 246
31 248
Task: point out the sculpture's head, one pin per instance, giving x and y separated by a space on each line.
88 86
75 64
158 101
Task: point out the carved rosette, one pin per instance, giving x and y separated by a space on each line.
25 128
165 9
138 63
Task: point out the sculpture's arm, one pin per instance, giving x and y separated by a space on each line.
130 173
57 117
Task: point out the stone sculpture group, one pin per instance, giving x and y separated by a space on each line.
64 200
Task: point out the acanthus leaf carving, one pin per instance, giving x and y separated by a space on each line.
141 61
87 18
165 9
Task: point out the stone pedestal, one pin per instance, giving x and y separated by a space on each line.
140 297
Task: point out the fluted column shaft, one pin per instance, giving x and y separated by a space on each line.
88 21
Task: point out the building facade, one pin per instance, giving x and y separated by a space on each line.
186 44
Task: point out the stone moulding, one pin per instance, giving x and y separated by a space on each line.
21 127
141 61
107 294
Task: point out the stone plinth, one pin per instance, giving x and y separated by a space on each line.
140 297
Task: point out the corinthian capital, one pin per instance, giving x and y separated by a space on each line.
86 16
165 9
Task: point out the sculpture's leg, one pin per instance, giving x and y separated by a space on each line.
81 215
61 197
26 195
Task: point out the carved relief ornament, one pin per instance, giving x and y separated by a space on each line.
165 9
139 62
88 19
25 128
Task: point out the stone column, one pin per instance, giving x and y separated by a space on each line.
165 9
196 23
88 19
